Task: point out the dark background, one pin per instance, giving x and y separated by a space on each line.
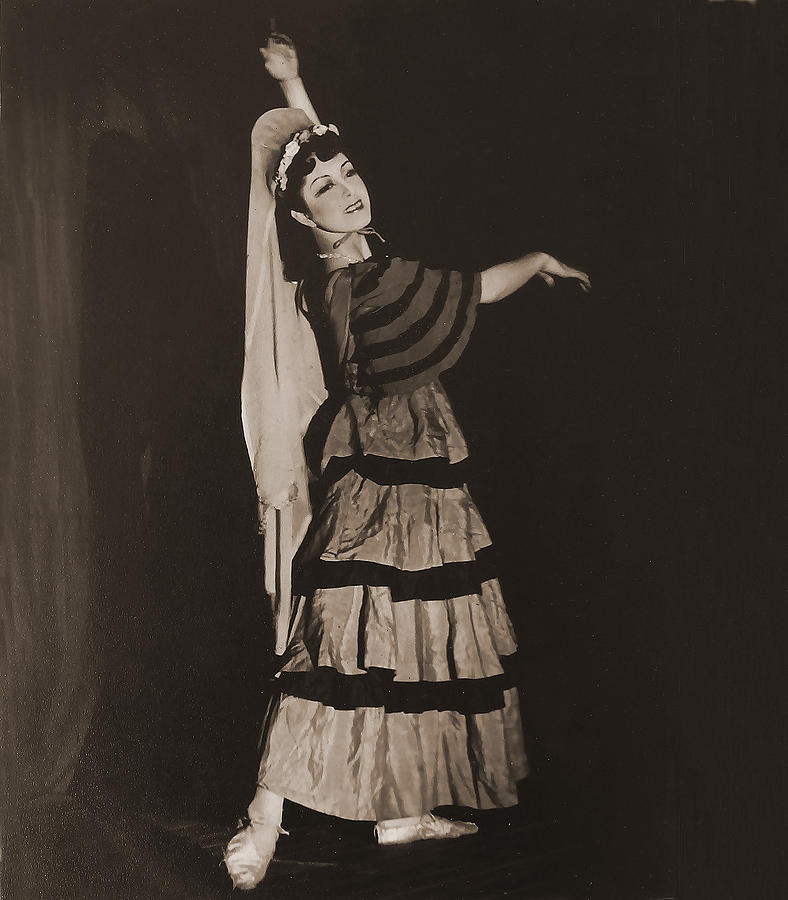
623 442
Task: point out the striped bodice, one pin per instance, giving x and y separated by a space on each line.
396 324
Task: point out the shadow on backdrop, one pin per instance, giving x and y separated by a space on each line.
174 553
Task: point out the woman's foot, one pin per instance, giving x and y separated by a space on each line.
421 828
250 852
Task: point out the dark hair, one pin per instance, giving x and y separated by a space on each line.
324 147
296 245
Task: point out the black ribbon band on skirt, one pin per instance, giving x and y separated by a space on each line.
377 688
435 471
454 579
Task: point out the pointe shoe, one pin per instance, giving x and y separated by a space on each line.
250 852
422 828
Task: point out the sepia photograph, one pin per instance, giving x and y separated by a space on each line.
393 467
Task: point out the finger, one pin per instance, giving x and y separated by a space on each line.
275 54
279 44
584 280
277 37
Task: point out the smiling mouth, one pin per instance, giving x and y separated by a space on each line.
354 207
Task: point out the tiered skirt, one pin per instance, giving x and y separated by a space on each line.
397 694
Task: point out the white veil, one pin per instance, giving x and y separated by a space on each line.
282 384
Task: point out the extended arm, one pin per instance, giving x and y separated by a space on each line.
281 63
506 278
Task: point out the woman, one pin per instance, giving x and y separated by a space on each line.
395 691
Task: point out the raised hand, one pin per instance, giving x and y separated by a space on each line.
281 63
281 60
552 268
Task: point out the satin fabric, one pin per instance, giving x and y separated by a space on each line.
370 765
368 762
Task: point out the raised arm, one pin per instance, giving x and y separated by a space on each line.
281 63
506 278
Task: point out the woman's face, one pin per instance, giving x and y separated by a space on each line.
335 196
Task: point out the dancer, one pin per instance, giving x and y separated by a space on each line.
395 695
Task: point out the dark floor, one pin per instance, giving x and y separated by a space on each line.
93 851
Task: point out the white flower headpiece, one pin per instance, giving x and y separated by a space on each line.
292 148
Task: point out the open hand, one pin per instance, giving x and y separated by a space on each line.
552 269
281 61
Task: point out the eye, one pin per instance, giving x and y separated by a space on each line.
323 188
350 173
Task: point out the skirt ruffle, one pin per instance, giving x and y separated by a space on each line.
357 628
367 764
407 526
